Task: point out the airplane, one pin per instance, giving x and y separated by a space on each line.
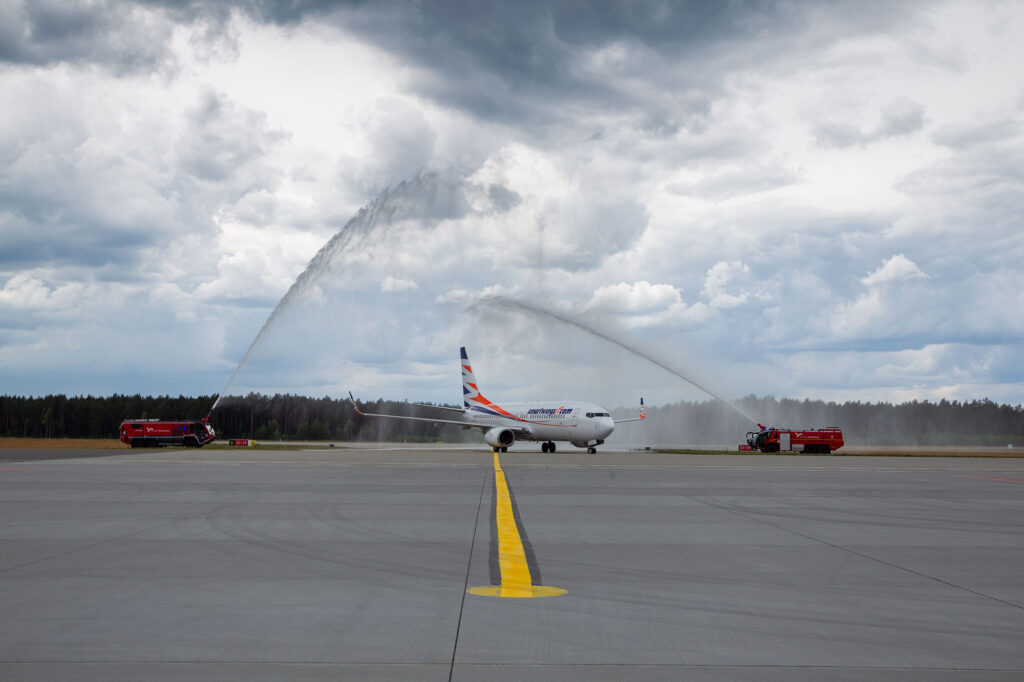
585 425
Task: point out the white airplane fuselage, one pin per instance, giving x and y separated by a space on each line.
573 421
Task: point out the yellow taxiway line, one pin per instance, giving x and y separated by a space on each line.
516 581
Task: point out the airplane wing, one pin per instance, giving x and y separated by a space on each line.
476 425
440 407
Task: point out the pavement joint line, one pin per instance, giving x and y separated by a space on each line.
465 583
854 552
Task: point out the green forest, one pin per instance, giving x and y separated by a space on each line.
278 417
293 417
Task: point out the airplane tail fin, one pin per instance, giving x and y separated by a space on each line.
470 389
642 417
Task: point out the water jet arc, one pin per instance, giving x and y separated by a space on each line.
512 304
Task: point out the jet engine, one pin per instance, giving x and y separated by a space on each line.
499 437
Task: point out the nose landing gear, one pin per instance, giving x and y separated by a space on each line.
547 447
590 445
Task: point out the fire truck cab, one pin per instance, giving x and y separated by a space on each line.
156 433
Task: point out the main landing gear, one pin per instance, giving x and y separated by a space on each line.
547 447
503 449
591 451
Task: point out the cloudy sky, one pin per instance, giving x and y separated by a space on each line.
818 200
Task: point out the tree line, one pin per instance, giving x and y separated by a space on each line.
278 417
294 417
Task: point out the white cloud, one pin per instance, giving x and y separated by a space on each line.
719 278
24 291
894 269
638 297
395 284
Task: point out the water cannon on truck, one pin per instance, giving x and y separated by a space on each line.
810 441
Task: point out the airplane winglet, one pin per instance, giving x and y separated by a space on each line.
354 406
643 410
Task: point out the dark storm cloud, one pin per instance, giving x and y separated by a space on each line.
112 34
530 63
122 35
534 63
520 62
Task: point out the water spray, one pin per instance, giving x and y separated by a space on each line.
380 211
512 304
411 199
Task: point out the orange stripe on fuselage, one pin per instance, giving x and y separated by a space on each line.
487 403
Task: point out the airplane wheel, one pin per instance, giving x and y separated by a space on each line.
551 446
544 447
591 451
504 449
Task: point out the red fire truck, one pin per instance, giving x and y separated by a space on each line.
770 439
156 433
